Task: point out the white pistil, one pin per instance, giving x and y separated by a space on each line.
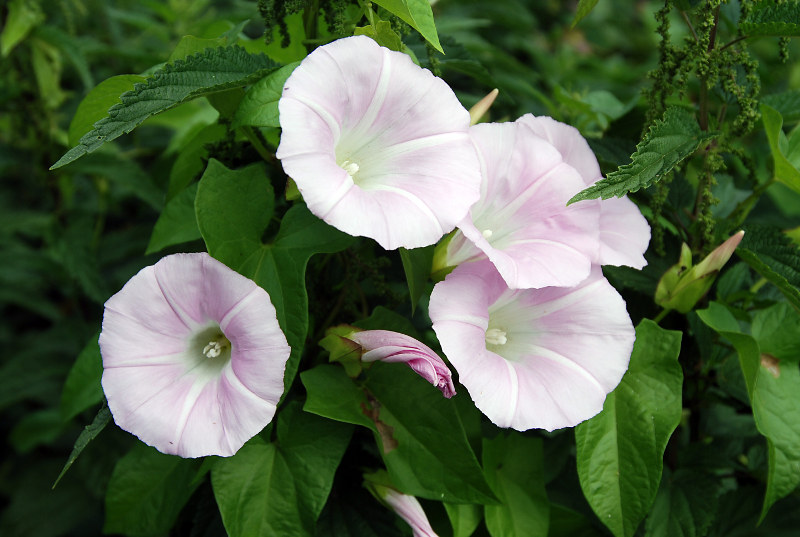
495 336
487 233
350 167
215 347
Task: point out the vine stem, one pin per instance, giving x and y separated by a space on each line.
660 316
257 145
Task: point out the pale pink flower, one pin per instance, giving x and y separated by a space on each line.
193 357
522 222
378 146
532 358
406 506
388 346
624 232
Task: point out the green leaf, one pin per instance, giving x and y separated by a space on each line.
464 517
685 506
407 416
259 107
772 385
95 105
147 491
193 157
785 172
777 330
417 264
773 255
204 73
787 104
177 223
40 427
584 8
513 467
82 388
190 44
234 237
620 451
279 489
666 144
383 34
418 14
23 16
768 17
88 434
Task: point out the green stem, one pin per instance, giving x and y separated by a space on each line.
661 315
257 145
744 207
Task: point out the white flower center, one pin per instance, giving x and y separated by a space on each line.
495 336
487 233
350 167
216 346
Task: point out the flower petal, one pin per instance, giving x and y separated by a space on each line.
376 144
624 232
561 351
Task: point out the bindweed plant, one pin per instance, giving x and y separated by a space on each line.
407 267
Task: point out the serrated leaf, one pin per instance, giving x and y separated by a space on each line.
407 416
417 265
513 467
772 386
668 141
784 171
88 434
259 107
147 491
620 451
773 255
768 17
95 105
206 72
418 14
584 8
234 237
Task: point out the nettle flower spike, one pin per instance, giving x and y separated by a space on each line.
532 358
522 222
193 357
378 146
624 232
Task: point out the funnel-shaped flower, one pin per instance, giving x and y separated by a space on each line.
388 346
624 233
532 358
378 146
522 222
193 357
407 507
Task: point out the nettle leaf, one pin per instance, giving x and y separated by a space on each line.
147 491
772 386
206 72
685 506
407 416
95 105
513 467
279 489
620 451
768 17
584 8
82 388
259 107
417 264
773 255
234 237
418 14
784 171
666 144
